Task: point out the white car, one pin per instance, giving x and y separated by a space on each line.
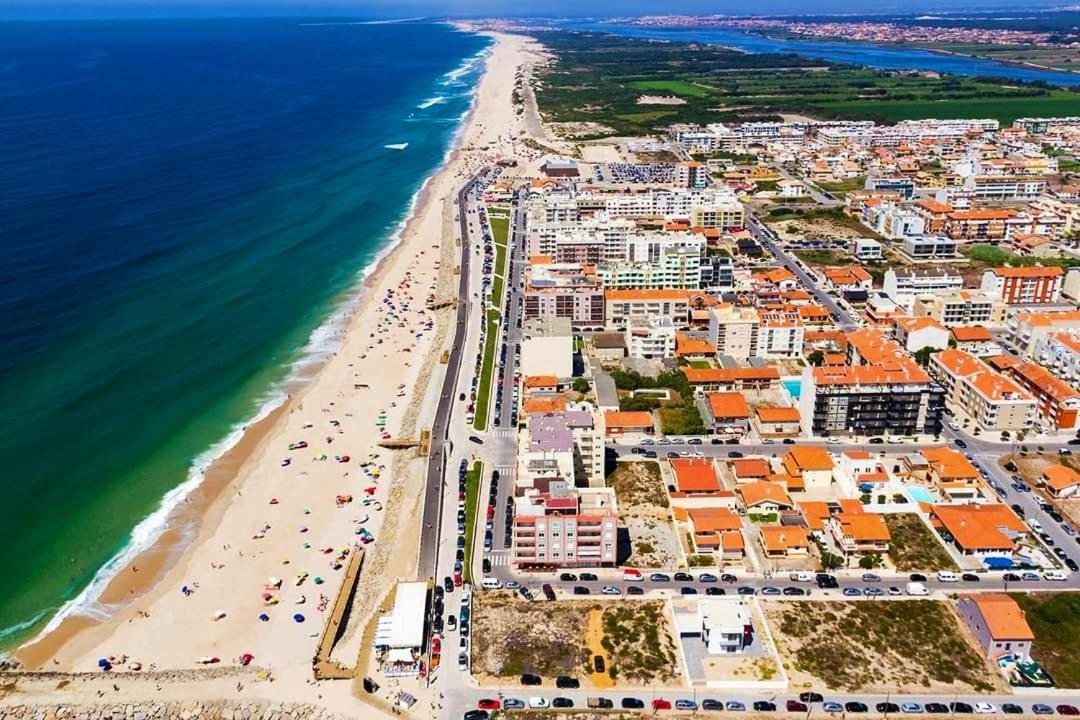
947 577
1055 575
917 588
538 702
610 590
985 708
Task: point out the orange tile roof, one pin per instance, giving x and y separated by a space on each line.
695 475
1045 318
750 468
1028 272
975 333
631 419
964 215
808 457
950 464
914 324
541 259
721 375
934 206
707 520
1004 619
778 414
543 405
816 513
851 275
540 381
782 538
689 345
756 493
864 527
1060 477
979 527
732 541
728 405
1047 384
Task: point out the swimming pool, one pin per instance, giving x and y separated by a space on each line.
919 494
793 386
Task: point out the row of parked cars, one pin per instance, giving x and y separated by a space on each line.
803 704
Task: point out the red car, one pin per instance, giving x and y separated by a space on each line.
795 706
489 704
491 512
661 704
1067 710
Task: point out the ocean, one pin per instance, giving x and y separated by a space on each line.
187 208
854 53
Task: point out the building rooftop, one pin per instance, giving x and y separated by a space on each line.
1004 618
695 475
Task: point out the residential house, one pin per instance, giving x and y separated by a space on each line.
764 497
1061 481
625 423
988 530
917 333
811 463
777 421
784 541
725 413
998 623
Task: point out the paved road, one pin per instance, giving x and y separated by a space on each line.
439 447
767 238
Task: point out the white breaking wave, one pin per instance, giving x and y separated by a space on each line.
396 146
431 101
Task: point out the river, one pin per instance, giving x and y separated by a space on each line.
854 53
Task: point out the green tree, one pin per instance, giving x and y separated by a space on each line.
816 358
831 561
923 356
581 385
869 562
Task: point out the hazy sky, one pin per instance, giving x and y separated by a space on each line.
404 8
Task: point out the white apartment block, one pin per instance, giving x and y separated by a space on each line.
904 286
961 307
972 388
1060 354
653 339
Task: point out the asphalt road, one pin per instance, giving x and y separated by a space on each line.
765 236
438 445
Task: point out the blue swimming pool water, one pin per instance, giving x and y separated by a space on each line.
793 386
919 494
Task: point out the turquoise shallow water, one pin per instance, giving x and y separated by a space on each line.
184 204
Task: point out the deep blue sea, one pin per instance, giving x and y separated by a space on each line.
185 205
854 53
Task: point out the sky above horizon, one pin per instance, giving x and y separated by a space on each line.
464 8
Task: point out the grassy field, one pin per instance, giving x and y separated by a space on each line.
500 228
487 370
598 78
674 87
472 498
902 646
1055 619
913 547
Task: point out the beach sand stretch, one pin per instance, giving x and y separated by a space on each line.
278 514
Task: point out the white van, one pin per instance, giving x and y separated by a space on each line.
1054 575
917 588
490 583
1035 525
802 576
948 577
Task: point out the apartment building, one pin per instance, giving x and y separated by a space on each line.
880 390
650 338
547 347
934 214
1002 188
971 226
656 261
1058 402
564 290
637 306
904 285
917 333
557 525
958 308
1027 329
973 389
1024 285
733 331
928 247
1060 354
567 445
780 334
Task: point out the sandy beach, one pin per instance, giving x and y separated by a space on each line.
277 515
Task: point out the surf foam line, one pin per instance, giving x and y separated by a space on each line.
322 343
